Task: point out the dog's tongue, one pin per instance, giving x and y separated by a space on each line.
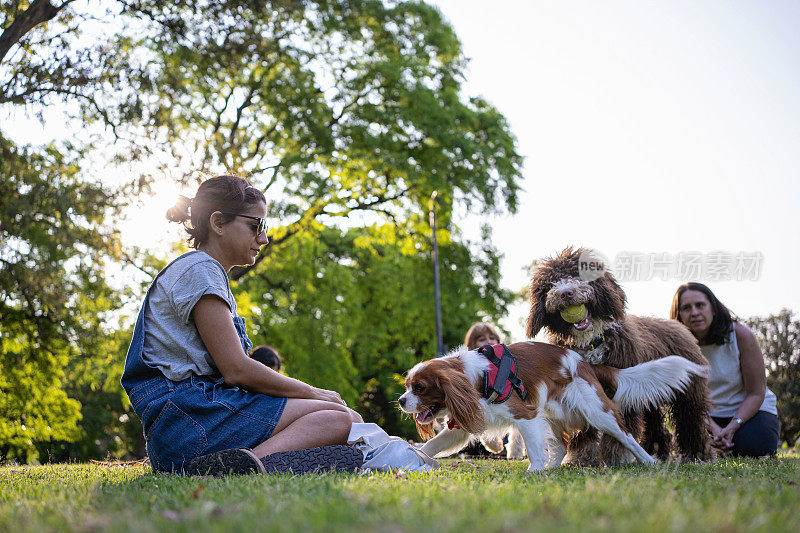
423 415
583 324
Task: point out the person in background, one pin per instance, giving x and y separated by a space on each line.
744 414
480 334
267 356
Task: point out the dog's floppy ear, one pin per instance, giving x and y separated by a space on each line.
538 312
425 431
609 298
462 400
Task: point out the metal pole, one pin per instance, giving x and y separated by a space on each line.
436 293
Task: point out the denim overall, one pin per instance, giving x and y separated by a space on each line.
184 419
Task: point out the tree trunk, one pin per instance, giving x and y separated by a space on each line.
39 11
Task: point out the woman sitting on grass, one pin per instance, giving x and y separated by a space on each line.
744 413
479 334
205 406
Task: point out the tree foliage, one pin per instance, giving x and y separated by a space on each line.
54 302
59 353
331 107
46 58
779 337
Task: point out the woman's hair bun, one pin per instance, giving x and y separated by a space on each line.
180 211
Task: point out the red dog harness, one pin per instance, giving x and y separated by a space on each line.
501 377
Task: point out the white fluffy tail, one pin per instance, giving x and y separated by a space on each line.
655 382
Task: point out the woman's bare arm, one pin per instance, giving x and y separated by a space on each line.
751 362
754 375
213 319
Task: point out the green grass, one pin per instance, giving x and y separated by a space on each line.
478 495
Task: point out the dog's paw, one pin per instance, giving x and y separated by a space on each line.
614 453
589 455
537 467
493 444
515 449
515 454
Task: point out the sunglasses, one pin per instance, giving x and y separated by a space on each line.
262 222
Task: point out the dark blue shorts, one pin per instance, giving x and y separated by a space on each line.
185 419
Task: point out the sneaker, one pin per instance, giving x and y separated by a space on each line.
339 458
226 462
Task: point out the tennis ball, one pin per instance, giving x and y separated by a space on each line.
574 313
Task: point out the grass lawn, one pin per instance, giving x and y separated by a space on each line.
476 495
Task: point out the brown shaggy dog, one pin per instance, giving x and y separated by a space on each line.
608 336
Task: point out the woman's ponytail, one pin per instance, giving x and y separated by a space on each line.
180 211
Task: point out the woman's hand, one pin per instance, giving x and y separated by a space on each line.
725 437
720 440
326 396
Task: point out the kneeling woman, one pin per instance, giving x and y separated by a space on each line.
744 414
205 406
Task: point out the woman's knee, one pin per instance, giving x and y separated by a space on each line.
338 415
333 420
757 437
331 406
355 417
295 407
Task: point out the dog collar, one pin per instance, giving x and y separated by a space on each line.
501 376
594 344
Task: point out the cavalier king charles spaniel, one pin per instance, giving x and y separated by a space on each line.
563 393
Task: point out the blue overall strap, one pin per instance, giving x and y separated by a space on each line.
136 369
505 378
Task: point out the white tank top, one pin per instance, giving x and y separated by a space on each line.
725 379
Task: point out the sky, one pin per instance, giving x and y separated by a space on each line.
661 131
651 131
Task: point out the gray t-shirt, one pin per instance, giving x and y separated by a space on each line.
171 342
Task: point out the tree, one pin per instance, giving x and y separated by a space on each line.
43 58
779 337
57 323
21 18
54 303
352 310
331 107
